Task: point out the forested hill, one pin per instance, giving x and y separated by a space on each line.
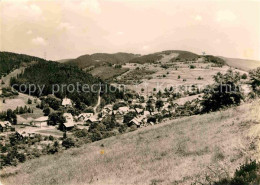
154 57
10 61
99 59
52 75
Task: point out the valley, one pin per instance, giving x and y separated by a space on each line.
158 119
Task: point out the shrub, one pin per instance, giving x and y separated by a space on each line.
46 111
244 76
68 143
29 101
225 92
247 174
255 80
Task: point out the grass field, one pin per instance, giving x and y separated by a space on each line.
176 75
175 152
107 72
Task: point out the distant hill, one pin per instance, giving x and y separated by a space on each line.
10 61
99 59
50 73
154 57
243 64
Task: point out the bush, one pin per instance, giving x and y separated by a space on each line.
247 174
225 92
68 143
255 80
29 101
244 76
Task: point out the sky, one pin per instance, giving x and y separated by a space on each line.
62 29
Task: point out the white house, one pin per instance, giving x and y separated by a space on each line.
138 121
41 121
5 126
66 102
138 110
69 124
123 109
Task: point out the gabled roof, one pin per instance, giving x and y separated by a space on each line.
41 119
138 110
5 124
85 115
123 109
92 119
135 121
69 124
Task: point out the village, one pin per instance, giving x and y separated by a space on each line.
138 108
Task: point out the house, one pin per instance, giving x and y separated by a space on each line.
5 126
67 126
85 116
119 116
139 121
90 120
66 102
69 123
41 121
123 110
136 122
146 113
164 99
138 110
21 134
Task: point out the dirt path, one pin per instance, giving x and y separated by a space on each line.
98 102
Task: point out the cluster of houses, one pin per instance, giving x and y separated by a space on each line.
5 126
83 120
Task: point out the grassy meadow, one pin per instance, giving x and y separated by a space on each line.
178 151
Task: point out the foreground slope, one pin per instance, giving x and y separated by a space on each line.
176 152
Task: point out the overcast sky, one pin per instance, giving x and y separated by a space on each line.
70 28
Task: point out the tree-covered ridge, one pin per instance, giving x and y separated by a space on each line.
10 61
154 57
99 59
45 78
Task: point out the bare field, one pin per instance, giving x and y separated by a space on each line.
177 75
175 152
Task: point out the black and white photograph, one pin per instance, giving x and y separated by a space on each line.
129 92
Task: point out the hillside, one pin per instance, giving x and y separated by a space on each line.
243 64
56 78
178 151
154 57
11 61
107 72
99 59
